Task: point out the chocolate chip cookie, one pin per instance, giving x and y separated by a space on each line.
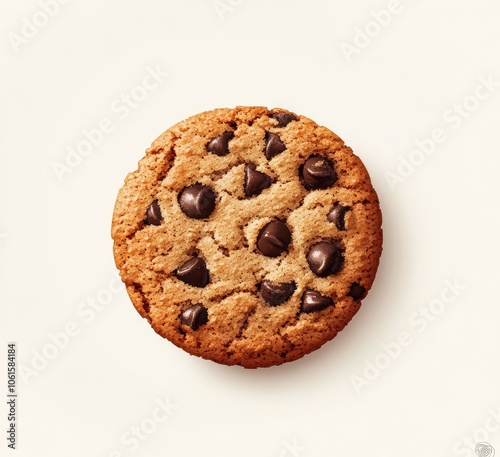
248 236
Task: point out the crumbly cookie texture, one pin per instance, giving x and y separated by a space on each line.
248 236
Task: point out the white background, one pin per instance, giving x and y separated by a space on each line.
441 223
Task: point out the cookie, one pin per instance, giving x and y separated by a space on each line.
248 236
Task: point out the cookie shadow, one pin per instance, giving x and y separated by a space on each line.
335 361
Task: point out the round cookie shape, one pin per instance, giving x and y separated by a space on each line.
248 236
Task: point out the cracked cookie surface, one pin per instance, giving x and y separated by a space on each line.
248 236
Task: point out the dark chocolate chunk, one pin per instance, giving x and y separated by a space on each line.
283 118
276 293
255 181
220 144
193 272
337 215
273 239
356 291
195 316
318 173
314 301
197 201
153 214
325 258
274 145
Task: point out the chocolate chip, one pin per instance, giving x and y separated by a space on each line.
153 214
195 316
357 291
197 201
318 173
255 181
283 118
193 272
276 293
314 301
337 215
220 144
274 239
325 259
274 145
